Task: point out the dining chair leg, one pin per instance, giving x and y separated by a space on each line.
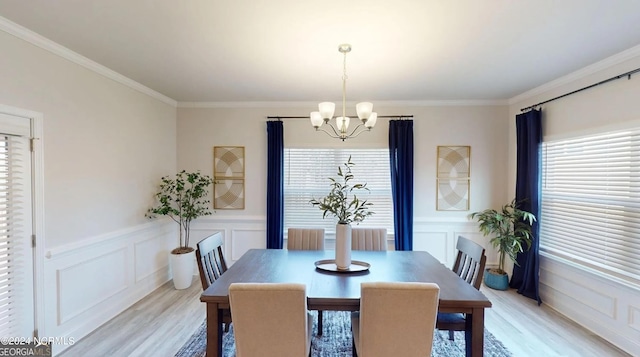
320 322
451 335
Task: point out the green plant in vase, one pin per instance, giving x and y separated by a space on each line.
511 231
183 198
343 203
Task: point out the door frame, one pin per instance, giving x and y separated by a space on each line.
37 204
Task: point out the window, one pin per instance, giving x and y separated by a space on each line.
16 254
591 201
306 173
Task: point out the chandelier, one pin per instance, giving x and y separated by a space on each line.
326 110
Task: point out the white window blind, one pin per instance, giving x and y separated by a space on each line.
16 274
590 211
306 173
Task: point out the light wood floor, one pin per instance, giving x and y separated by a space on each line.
162 322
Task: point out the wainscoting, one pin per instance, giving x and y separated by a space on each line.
611 309
88 283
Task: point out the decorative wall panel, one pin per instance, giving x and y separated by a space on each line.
228 177
453 178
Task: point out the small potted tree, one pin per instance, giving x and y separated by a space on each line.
343 203
183 198
511 230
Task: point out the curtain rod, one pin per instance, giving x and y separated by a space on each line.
627 74
379 116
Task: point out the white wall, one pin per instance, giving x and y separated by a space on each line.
608 307
105 147
484 128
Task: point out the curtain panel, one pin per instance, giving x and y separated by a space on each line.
526 273
275 185
401 162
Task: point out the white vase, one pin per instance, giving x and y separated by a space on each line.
182 266
343 246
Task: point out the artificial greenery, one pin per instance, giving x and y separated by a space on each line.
339 203
183 198
511 227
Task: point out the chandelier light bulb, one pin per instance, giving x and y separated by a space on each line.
364 110
316 119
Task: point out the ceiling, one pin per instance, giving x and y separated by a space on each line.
287 50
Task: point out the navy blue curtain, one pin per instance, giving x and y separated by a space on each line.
275 185
401 160
528 183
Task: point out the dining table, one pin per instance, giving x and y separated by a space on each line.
332 290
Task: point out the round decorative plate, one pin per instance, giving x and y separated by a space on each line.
330 265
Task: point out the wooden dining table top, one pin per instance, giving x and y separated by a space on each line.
341 291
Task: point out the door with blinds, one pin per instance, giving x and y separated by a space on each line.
17 309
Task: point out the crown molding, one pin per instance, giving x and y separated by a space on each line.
608 62
418 103
38 40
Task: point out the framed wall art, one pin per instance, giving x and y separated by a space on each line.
453 178
228 177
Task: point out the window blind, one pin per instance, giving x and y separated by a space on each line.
306 174
590 211
16 266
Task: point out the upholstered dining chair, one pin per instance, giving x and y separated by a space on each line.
368 238
307 239
211 265
469 265
258 308
395 319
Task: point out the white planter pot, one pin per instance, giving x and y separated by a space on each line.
182 266
343 246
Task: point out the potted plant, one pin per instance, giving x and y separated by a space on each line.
183 198
343 203
511 230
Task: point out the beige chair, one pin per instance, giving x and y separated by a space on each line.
368 239
270 320
395 319
307 239
469 266
211 265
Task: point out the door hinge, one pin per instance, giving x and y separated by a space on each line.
33 241
31 144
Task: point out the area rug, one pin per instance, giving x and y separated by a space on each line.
336 341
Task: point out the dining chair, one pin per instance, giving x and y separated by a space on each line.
270 319
307 239
211 265
469 265
395 319
368 239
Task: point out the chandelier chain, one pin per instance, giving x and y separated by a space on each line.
344 85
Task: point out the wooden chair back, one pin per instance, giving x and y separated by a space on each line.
305 239
368 239
395 319
210 257
270 319
470 262
469 265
